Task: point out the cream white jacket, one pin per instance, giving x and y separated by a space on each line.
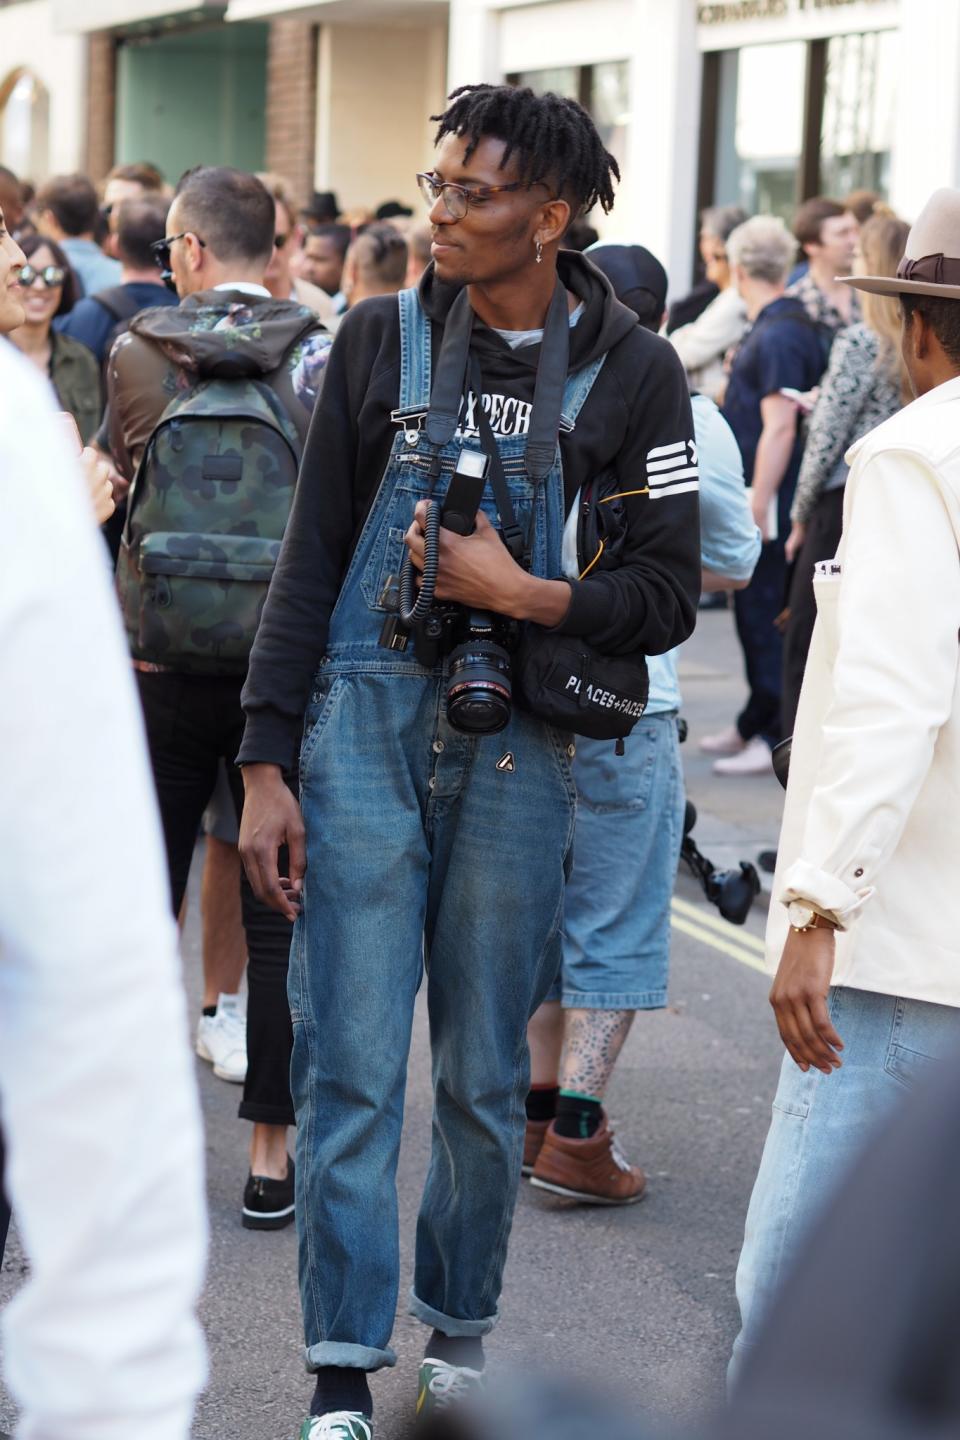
871 828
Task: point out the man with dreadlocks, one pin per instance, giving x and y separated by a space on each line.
416 839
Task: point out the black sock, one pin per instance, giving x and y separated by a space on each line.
340 1388
209 1011
542 1102
465 1350
578 1116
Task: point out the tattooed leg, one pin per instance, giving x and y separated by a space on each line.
592 1041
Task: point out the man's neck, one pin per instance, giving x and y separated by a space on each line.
838 294
131 276
228 275
32 340
519 303
759 296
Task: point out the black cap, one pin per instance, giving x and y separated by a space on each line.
632 269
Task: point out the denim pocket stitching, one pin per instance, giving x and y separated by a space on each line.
323 714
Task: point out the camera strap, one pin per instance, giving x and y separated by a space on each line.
511 531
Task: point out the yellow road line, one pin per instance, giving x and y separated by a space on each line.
736 933
726 947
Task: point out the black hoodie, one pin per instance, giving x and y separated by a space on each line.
636 418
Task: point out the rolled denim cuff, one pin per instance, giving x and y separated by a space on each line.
448 1324
348 1357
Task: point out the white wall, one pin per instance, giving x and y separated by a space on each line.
28 40
926 147
376 87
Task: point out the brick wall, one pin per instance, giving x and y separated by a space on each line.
101 104
292 103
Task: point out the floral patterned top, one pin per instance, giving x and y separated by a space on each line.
857 394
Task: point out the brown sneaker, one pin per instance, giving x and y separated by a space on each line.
593 1170
533 1139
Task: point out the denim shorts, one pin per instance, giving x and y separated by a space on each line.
616 914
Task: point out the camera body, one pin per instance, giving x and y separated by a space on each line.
479 643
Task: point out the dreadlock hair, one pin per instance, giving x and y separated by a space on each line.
552 138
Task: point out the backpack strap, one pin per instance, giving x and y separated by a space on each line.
118 302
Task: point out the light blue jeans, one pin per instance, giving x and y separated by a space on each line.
820 1124
616 909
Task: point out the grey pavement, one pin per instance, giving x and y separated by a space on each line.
641 1297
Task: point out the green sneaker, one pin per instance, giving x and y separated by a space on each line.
442 1385
337 1425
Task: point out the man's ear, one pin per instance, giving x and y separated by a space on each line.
555 217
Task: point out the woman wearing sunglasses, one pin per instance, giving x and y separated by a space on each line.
48 289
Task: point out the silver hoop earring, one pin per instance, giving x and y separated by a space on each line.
539 250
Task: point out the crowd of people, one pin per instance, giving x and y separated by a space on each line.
267 400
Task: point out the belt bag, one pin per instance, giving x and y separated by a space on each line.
567 682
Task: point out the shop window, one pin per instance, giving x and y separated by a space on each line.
602 89
25 125
759 127
858 113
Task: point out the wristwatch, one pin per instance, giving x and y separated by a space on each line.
803 917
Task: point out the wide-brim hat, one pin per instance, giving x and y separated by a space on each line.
931 262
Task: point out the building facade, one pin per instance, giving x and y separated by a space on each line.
763 102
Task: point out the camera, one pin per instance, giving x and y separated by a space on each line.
479 643
732 891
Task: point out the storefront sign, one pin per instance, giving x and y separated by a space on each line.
726 12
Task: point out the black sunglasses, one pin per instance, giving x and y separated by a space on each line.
161 248
51 276
161 255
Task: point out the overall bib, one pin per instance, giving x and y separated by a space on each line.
427 849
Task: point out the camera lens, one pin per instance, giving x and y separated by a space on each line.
478 689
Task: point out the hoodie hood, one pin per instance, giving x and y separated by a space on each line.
603 324
225 333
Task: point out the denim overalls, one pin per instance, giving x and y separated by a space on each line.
424 846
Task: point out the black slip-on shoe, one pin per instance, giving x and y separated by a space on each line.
268 1204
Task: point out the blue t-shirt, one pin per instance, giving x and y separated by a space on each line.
781 349
92 323
729 540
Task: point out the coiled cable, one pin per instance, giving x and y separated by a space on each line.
414 607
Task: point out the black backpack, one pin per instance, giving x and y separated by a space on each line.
121 306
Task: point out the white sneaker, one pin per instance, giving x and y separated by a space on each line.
725 742
222 1038
754 759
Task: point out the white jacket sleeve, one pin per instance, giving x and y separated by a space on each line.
100 1112
894 680
710 336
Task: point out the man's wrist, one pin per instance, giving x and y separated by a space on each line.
545 602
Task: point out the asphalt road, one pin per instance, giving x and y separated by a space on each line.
640 1297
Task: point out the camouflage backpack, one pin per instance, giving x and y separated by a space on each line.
206 514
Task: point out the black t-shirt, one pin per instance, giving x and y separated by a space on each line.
781 349
637 419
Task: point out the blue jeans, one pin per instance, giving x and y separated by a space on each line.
616 911
820 1123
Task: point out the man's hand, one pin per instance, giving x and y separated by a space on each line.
799 1000
795 539
478 571
271 818
98 474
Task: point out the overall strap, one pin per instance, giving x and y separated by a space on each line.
577 389
448 387
415 355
